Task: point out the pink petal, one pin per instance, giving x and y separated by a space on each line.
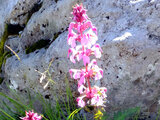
69 51
84 40
101 71
89 24
98 46
72 59
94 62
73 43
71 39
92 37
94 100
81 81
86 60
80 101
99 75
81 88
31 116
97 50
71 26
76 75
79 56
97 53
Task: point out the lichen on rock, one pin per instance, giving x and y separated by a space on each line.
3 53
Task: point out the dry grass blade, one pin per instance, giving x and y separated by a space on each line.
13 52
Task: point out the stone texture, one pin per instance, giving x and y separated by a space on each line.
128 32
6 7
21 11
12 42
52 18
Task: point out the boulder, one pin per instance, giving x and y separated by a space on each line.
128 32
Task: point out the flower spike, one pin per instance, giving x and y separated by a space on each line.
82 38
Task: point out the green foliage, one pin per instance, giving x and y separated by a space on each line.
3 39
70 105
128 113
11 108
158 115
7 115
14 109
71 116
2 43
38 45
3 53
3 58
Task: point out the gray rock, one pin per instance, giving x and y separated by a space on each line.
12 42
128 32
52 18
6 7
22 11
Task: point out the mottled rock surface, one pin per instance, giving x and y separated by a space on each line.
6 7
128 31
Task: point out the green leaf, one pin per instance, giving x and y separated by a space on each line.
11 118
73 113
14 101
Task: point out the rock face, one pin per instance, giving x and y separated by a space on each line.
128 31
6 6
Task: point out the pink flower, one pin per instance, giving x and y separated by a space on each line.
97 50
86 59
88 24
80 101
31 116
77 28
75 73
92 71
95 97
79 13
82 38
72 36
99 98
82 53
89 39
79 74
97 73
74 53
81 88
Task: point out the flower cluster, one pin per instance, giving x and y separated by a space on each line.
31 116
82 38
